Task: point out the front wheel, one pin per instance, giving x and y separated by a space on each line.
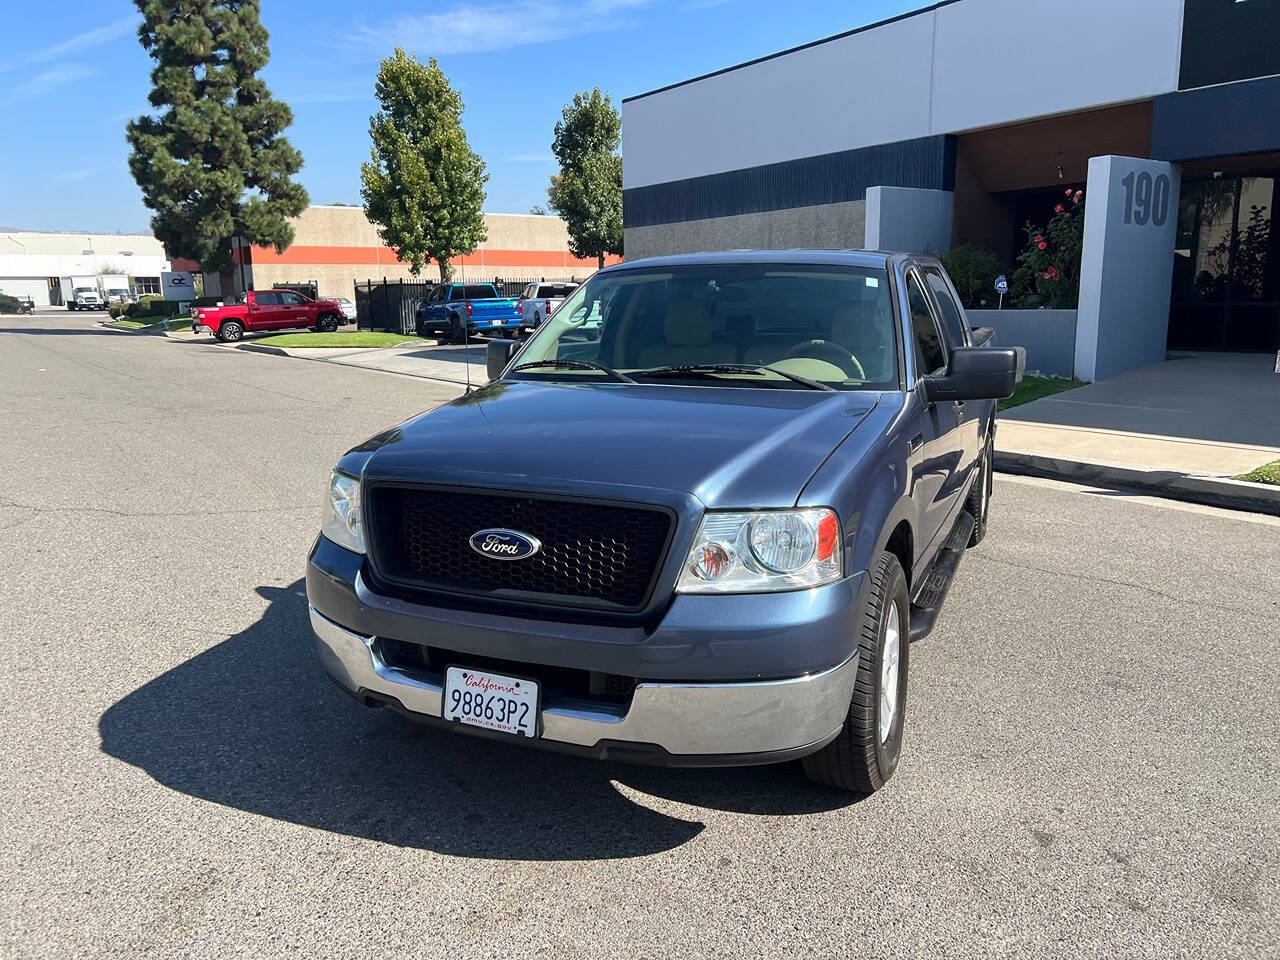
865 752
327 324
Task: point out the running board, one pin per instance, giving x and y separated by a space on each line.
933 591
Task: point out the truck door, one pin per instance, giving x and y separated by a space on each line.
294 310
969 415
935 465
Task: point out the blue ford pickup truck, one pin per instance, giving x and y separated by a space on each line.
455 311
702 532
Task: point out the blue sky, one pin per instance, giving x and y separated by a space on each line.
74 72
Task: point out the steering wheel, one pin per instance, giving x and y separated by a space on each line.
830 352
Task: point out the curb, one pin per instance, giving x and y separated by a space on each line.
1212 491
260 348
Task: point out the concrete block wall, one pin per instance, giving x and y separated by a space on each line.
833 226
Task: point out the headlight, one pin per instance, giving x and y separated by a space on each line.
763 551
343 519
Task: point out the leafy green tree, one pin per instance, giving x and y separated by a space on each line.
424 185
587 192
211 160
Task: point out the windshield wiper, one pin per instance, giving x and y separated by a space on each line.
568 364
709 369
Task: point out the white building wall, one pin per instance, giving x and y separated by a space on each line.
965 65
28 260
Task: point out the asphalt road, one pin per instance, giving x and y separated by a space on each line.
1091 764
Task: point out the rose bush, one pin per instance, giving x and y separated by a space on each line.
1048 273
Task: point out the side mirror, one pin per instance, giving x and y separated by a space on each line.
498 354
976 373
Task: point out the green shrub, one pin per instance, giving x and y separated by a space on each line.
974 273
1048 273
8 304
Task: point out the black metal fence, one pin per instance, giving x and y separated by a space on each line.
308 288
391 305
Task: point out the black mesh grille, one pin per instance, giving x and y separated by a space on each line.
594 554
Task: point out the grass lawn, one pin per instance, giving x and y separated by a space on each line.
1267 473
1033 388
367 338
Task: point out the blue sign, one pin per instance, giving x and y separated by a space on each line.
1002 284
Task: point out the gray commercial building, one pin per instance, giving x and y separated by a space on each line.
961 122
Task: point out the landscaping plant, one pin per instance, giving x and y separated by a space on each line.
974 273
423 185
211 158
587 192
1048 273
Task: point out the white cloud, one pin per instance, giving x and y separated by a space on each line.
79 43
74 176
52 79
487 27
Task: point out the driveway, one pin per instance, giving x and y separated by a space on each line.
1091 768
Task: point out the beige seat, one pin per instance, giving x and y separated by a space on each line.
686 339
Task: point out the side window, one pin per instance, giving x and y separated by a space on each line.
483 291
267 299
456 293
290 299
931 356
529 292
952 318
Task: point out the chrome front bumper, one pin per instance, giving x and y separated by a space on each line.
771 719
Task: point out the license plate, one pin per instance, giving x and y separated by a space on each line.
491 700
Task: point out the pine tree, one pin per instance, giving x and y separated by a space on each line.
424 185
587 192
211 160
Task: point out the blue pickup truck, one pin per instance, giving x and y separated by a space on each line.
455 311
695 519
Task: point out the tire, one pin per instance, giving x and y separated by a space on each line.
71 307
979 502
861 760
327 324
457 332
230 330
537 319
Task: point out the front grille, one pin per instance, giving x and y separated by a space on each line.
593 554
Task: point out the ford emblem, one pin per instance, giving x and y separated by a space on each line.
504 544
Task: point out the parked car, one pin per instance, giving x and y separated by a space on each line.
26 305
538 300
455 311
705 537
267 310
348 310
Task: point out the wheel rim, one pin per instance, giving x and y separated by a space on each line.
889 672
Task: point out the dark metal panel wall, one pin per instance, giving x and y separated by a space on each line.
1221 121
831 178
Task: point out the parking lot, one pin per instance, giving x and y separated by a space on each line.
1092 763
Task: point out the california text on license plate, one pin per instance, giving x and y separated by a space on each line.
491 700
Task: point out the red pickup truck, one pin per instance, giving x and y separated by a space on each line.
267 310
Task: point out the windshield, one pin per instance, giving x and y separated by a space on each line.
831 324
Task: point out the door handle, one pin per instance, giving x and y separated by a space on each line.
915 443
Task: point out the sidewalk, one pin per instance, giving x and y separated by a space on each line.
420 359
1181 428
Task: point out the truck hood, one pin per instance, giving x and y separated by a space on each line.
727 446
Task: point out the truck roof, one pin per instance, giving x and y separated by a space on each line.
852 258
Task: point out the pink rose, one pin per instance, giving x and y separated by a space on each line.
1043 245
1079 195
1068 191
1058 208
1039 238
